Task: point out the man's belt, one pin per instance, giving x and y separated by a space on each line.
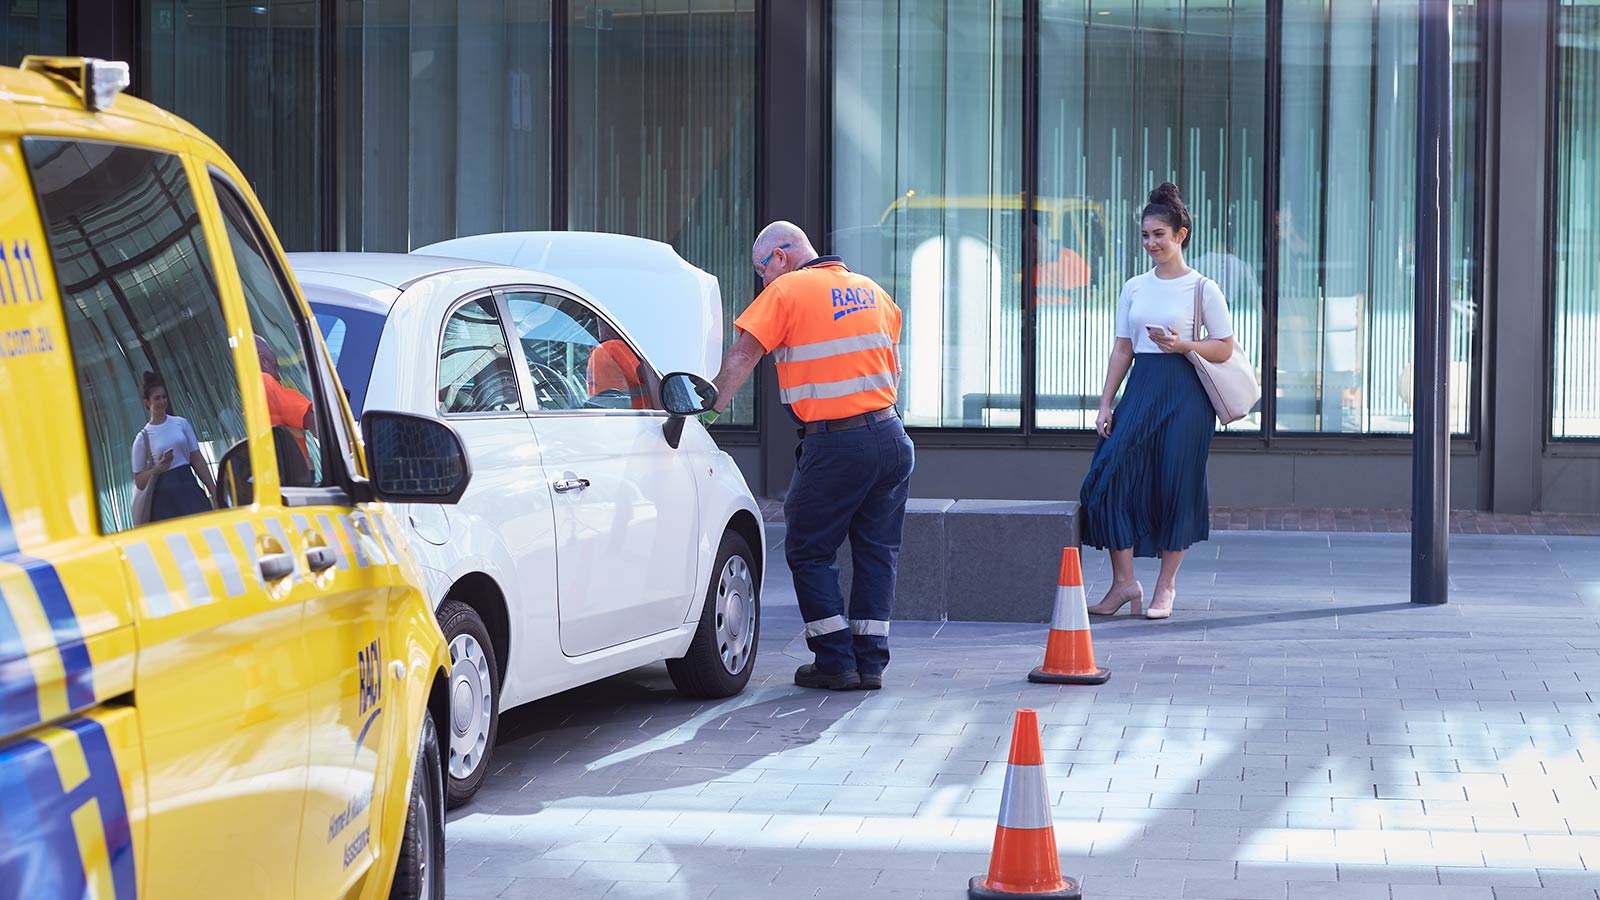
845 424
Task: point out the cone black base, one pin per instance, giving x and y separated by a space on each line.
976 891
1040 676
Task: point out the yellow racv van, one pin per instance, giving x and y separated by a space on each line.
219 675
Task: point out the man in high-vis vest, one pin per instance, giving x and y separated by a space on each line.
833 334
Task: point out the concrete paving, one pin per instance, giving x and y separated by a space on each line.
1297 730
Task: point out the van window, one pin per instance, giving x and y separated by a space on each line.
280 348
156 377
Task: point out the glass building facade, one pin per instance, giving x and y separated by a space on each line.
986 161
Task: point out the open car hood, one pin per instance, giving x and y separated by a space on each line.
671 308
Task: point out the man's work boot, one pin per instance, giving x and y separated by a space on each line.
807 676
871 681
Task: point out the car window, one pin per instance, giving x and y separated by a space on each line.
475 371
286 383
576 359
352 338
156 377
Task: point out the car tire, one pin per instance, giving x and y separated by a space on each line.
474 700
419 871
723 652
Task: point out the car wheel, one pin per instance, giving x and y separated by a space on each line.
474 699
419 872
723 651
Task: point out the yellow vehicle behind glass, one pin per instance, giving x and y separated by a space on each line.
219 674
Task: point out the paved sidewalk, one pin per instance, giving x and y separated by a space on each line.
1297 730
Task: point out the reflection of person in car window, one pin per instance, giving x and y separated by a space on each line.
288 407
166 459
613 366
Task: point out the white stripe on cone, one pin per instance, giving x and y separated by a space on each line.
1072 609
1025 802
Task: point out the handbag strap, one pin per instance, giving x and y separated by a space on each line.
149 455
1199 291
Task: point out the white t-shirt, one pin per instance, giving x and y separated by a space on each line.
175 434
1147 299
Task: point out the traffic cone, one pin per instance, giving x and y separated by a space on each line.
1069 654
1024 862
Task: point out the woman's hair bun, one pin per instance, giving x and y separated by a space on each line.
149 382
1166 192
1167 203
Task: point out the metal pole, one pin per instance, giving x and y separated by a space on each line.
1430 448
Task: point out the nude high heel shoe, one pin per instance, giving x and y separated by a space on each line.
1160 610
1114 602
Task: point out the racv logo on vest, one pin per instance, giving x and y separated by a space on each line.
849 300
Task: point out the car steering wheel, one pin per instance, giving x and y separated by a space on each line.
547 379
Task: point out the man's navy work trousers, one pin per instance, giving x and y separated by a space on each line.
848 484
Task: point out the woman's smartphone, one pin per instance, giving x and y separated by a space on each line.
1157 329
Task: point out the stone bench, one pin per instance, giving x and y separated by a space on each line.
979 560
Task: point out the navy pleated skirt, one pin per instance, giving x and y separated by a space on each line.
1146 488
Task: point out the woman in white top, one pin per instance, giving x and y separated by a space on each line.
167 459
1145 494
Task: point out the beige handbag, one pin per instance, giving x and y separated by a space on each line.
143 497
1231 385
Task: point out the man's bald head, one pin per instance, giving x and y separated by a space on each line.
780 248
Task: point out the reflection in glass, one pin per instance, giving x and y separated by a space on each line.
38 27
1346 220
661 136
139 294
246 74
444 119
1576 393
927 182
1131 95
475 373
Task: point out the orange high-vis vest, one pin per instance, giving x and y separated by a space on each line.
833 335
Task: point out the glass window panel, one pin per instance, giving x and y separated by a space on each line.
661 136
286 381
1112 126
1346 220
927 169
140 296
1576 388
444 118
475 372
576 359
246 73
36 27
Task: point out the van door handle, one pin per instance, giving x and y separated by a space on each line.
570 484
320 559
275 566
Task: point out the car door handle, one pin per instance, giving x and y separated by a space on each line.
275 566
320 559
570 484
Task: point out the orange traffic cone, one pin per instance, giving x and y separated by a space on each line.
1024 862
1069 654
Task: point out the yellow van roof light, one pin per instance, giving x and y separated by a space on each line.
98 81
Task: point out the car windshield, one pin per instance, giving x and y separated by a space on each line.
352 339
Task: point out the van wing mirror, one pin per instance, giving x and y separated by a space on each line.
414 459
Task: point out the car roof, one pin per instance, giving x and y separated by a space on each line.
397 271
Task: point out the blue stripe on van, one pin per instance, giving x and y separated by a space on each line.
58 609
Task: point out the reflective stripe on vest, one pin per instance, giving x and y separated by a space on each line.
831 389
835 347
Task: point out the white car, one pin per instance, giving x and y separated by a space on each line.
600 532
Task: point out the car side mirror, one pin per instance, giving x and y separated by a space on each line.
684 394
414 459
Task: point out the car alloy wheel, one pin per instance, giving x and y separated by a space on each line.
736 614
471 705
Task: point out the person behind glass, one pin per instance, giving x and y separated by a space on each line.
167 454
1145 494
833 334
